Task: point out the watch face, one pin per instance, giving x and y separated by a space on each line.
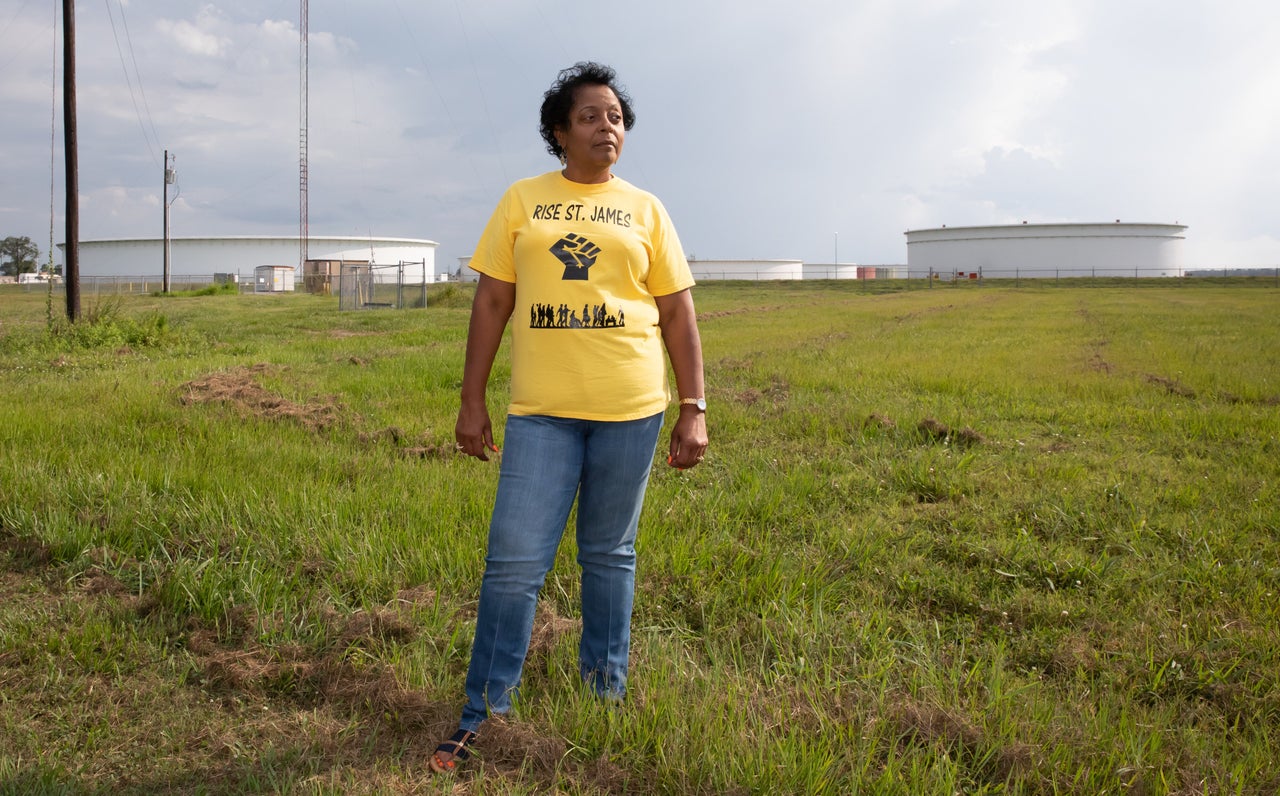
702 404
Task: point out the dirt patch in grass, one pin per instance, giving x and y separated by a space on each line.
1232 398
194 708
933 430
875 420
1171 386
342 334
776 393
240 390
312 679
707 316
1097 361
391 435
929 430
354 688
21 554
918 314
395 438
1176 388
938 727
1266 400
1057 446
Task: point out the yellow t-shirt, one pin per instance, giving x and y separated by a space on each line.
586 261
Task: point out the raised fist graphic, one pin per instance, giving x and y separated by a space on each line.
577 253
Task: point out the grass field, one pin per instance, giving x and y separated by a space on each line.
971 539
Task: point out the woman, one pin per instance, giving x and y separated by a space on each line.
596 266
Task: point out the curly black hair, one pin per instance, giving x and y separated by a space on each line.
557 103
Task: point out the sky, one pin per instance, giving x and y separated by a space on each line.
818 130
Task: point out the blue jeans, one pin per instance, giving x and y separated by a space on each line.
546 463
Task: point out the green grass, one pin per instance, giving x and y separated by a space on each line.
220 289
971 539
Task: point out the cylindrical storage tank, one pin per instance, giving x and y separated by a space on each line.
465 274
706 270
831 271
202 257
1040 250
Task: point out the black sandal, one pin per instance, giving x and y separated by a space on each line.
456 748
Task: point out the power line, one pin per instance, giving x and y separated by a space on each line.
129 81
444 104
15 54
132 57
484 102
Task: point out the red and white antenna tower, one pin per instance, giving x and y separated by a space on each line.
303 124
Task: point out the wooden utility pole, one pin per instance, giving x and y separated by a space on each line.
72 250
168 180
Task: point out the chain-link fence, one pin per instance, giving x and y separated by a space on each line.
140 285
367 287
905 276
1085 277
404 285
358 285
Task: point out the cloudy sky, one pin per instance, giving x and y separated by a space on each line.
810 129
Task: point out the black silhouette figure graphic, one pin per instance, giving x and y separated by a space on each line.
553 316
577 253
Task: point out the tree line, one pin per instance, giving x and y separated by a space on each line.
20 255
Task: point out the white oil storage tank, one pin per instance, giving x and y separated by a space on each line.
1047 250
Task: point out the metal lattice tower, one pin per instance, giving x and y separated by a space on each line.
303 124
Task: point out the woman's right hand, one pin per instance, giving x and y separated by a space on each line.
490 310
473 433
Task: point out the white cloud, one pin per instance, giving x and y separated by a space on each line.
192 39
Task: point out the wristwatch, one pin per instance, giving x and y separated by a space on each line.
701 403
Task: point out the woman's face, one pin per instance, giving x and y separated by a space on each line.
593 139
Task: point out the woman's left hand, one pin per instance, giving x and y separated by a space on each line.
679 323
688 439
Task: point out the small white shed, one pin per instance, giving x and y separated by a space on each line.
273 279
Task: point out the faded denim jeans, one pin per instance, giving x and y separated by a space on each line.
547 462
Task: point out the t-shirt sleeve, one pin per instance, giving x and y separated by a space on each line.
495 253
668 269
